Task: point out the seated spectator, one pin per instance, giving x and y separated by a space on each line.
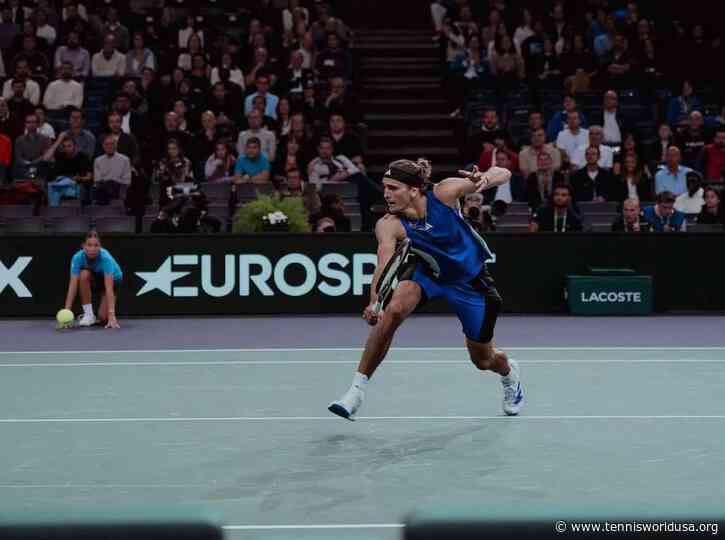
131 122
6 157
692 138
252 166
692 201
632 183
301 133
171 132
71 172
284 118
547 68
189 28
38 62
199 75
173 170
573 136
220 165
536 121
292 184
672 177
713 212
22 73
125 143
712 158
296 78
657 154
139 104
114 27
221 105
260 104
528 158
630 147
312 108
19 105
108 62
10 125
592 183
332 208
43 29
504 195
632 218
139 57
344 142
506 65
490 130
680 107
342 101
488 156
262 90
466 74
612 120
193 47
541 183
334 61
45 128
30 149
559 216
662 217
288 158
267 139
596 139
111 170
63 92
616 72
184 122
72 53
578 65
262 66
84 140
236 75
558 122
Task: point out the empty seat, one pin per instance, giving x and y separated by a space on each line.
9 211
598 207
121 224
24 225
346 190
102 211
70 224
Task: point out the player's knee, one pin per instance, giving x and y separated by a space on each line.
395 312
85 275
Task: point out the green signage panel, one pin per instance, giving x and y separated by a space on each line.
609 295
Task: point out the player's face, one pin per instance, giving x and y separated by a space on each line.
92 246
397 195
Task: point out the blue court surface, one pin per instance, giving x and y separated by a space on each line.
228 416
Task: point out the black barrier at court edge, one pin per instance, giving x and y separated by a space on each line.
322 274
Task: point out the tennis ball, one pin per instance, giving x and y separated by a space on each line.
65 317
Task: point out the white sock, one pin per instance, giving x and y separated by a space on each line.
510 378
360 381
88 309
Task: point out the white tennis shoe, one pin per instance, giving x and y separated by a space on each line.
513 392
87 320
348 405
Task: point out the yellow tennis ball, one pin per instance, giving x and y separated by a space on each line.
65 317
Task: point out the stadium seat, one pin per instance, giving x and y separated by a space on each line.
217 191
345 190
24 225
115 225
102 211
70 224
8 211
587 208
57 212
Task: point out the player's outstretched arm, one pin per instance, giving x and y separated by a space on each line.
388 231
450 190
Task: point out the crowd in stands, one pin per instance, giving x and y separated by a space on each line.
149 101
587 102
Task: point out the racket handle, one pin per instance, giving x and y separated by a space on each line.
377 308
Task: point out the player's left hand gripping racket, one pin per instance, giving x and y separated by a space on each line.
389 278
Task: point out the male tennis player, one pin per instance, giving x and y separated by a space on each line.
451 264
93 269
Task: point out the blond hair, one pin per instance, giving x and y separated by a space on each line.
421 167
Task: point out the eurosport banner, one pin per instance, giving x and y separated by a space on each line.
326 274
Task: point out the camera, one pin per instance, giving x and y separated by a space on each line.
474 213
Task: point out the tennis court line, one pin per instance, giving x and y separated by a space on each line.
170 419
359 349
463 362
312 527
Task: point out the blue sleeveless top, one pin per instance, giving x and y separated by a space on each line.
459 252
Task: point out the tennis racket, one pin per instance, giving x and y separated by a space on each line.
389 278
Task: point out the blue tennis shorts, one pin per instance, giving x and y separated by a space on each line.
476 303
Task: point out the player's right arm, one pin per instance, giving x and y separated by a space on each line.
75 271
388 232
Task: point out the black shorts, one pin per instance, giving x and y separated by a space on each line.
98 285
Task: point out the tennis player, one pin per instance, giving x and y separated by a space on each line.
451 265
94 270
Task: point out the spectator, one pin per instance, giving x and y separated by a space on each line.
139 104
528 158
262 90
131 122
220 164
111 170
558 121
190 28
680 107
296 78
593 182
172 132
266 138
9 123
63 92
252 166
616 72
332 208
8 29
692 139
71 170
193 47
541 183
312 108
657 155
259 104
44 127
226 109
506 65
37 60
6 157
262 66
524 30
712 212
604 42
547 70
578 65
692 201
483 139
139 57
173 169
114 27
72 53
672 177
606 154
505 194
22 73
19 105
344 142
712 158
612 121
632 218
629 147
488 157
284 117
632 183
108 62
662 217
533 47
183 122
334 61
341 101
559 216
573 136
125 143
299 132
30 149
236 76
84 140
292 184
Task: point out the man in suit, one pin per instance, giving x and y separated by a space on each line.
612 121
592 183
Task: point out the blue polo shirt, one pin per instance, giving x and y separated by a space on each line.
665 180
245 165
103 264
676 220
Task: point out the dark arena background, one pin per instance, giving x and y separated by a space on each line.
231 155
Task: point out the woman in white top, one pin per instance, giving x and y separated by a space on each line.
45 128
691 201
220 165
235 73
193 46
294 13
43 29
139 57
524 31
186 32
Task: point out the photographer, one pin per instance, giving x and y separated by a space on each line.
476 215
